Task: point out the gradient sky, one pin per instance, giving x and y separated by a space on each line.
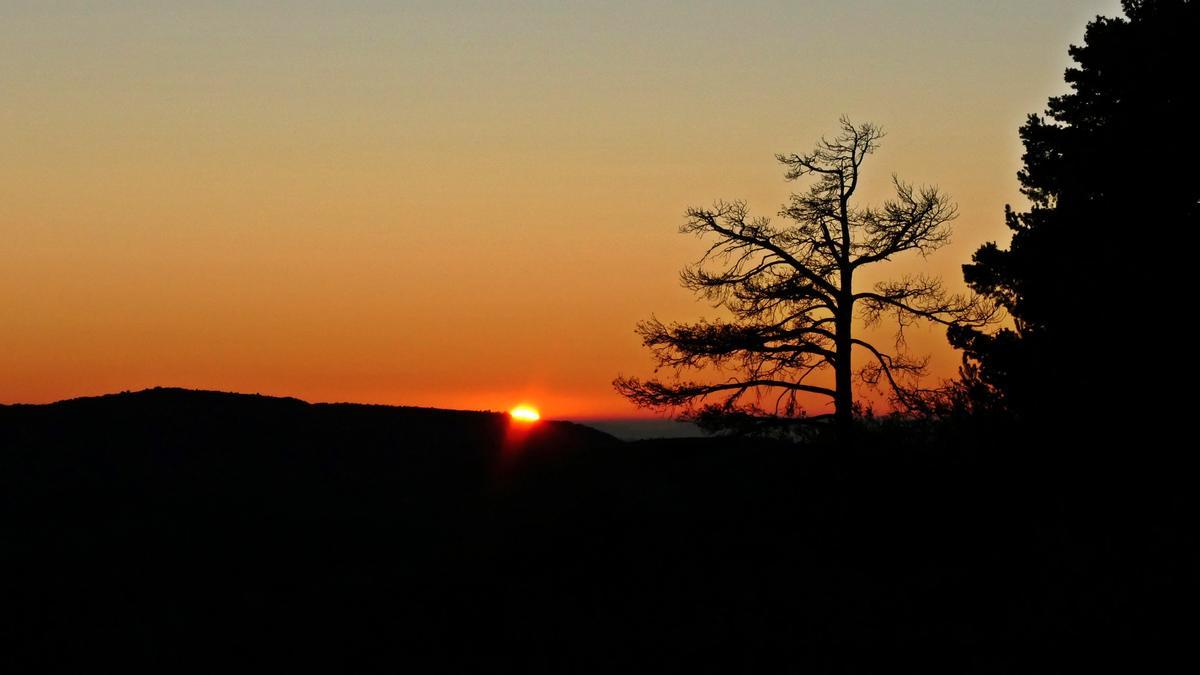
452 204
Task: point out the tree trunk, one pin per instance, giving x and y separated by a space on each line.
844 400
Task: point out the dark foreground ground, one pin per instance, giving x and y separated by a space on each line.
198 530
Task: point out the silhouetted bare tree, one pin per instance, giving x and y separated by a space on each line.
790 291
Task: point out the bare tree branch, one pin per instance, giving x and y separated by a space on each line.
923 297
655 394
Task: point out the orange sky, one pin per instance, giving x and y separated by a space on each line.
461 207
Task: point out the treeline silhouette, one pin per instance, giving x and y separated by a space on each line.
1091 283
186 529
1035 517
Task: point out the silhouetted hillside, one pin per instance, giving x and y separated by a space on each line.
212 445
198 529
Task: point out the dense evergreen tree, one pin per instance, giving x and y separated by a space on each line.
1113 191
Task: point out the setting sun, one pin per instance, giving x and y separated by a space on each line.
525 413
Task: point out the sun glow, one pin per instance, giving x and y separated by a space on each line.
525 413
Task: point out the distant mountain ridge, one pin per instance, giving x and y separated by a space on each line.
162 400
186 530
268 454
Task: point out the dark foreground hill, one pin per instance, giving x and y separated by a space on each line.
204 530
